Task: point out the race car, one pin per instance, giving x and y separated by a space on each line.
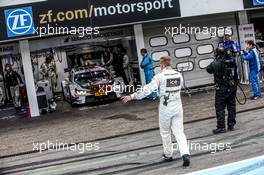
91 84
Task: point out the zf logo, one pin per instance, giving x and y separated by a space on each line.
19 22
258 2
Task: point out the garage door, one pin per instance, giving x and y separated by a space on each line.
191 52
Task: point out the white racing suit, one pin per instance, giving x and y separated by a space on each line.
49 72
168 85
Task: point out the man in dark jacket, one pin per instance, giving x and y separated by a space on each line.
13 81
107 59
226 79
119 63
231 47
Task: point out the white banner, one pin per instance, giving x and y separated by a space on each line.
246 33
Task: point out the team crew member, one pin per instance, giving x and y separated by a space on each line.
231 47
118 65
48 71
258 35
107 60
226 79
13 81
168 83
147 65
126 66
254 64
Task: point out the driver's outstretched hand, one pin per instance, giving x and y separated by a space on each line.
126 99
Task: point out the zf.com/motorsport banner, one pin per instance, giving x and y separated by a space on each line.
25 20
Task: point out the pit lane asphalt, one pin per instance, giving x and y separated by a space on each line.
129 140
140 153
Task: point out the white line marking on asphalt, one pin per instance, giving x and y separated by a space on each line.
229 165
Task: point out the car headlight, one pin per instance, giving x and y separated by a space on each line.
80 92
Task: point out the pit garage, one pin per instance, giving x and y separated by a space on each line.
191 52
52 62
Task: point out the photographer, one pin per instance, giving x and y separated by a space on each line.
226 79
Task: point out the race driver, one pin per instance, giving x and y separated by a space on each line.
168 84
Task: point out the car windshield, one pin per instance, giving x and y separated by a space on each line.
85 79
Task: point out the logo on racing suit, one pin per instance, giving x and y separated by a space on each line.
174 82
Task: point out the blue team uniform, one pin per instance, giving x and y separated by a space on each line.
147 65
254 65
